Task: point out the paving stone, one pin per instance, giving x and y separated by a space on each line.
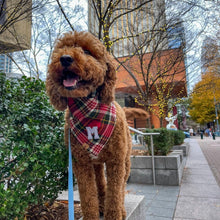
198 171
198 208
166 198
163 204
166 194
186 219
200 190
199 178
159 211
156 218
170 189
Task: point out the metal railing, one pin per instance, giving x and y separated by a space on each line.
152 146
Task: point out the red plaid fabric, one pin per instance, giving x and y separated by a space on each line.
92 122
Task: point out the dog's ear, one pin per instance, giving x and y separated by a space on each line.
59 102
107 90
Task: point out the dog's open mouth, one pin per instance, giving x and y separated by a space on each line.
70 80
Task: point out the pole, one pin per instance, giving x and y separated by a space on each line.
152 154
216 114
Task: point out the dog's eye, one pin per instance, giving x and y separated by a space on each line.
87 52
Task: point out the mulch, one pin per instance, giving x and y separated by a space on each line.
139 152
57 211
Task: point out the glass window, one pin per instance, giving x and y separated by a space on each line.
2 11
129 101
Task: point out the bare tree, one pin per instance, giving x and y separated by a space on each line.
13 12
106 14
48 22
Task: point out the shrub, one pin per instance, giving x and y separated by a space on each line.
179 137
33 158
164 142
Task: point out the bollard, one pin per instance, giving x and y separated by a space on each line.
213 135
201 135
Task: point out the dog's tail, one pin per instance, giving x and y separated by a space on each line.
132 113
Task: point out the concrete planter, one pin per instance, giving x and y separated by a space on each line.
184 147
168 169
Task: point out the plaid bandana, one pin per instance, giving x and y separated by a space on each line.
92 122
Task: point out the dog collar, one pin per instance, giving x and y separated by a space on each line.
91 122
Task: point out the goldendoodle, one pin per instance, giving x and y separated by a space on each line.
81 79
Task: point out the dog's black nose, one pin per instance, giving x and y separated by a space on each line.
66 60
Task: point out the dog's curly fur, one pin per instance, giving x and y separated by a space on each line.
94 68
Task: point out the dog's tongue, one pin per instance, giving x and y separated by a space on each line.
69 82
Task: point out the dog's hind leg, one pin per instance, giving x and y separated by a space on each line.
101 185
87 189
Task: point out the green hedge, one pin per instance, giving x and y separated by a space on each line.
178 136
164 142
33 158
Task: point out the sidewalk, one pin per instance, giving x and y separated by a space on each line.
198 196
211 150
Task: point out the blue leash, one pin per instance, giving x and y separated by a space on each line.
70 184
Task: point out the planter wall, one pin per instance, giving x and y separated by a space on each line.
184 147
168 169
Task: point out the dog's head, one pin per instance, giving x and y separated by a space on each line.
81 65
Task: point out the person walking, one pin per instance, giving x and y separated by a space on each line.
210 132
206 132
191 131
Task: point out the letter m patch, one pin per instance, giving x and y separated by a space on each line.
92 132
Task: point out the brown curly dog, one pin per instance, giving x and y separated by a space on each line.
81 72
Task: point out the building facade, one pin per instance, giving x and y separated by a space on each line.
176 35
210 55
15 25
130 30
5 64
